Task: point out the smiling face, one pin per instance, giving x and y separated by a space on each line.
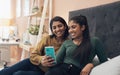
75 30
58 29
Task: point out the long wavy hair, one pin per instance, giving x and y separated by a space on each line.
60 19
84 49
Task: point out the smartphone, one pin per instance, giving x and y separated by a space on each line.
49 51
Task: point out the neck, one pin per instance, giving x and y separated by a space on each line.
78 41
59 40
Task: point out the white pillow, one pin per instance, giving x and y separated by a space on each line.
111 67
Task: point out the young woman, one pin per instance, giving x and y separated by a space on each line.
75 56
38 59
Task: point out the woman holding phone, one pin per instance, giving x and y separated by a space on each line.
38 61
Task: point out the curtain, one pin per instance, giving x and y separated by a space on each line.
5 9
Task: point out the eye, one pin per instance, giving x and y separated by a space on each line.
73 27
60 25
54 27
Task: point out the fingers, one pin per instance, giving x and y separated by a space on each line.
47 61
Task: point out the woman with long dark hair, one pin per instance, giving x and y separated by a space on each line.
75 56
38 61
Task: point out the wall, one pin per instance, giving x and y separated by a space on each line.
62 7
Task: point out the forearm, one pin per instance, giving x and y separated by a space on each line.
35 59
87 69
91 65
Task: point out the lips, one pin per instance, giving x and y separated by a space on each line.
59 33
72 34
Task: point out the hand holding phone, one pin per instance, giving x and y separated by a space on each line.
49 51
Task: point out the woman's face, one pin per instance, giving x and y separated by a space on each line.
75 30
58 29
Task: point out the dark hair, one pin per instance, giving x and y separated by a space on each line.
85 47
60 19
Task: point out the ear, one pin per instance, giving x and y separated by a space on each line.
83 27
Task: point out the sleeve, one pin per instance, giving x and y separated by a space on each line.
100 51
97 49
37 53
61 54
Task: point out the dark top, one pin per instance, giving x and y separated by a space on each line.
65 53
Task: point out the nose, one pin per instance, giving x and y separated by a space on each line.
70 30
57 28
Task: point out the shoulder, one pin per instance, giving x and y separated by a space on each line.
96 42
47 37
44 38
95 39
68 41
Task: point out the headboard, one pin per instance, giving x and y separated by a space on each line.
104 22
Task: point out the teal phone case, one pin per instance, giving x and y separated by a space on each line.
49 51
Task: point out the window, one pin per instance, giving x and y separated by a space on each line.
26 7
5 17
18 8
5 7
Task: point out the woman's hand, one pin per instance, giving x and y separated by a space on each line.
86 70
47 61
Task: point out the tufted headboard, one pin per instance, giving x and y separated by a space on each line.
104 22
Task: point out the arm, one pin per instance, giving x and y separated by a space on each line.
61 53
87 69
37 54
97 49
100 51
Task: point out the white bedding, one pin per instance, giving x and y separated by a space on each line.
111 67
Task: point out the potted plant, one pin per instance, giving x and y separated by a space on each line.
33 31
35 9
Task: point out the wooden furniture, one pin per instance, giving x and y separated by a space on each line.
5 50
26 50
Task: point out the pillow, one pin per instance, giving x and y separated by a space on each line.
111 67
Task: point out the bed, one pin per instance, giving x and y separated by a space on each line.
104 22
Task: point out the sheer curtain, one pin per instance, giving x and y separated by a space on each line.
5 17
5 9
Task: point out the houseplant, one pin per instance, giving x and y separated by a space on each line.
33 31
